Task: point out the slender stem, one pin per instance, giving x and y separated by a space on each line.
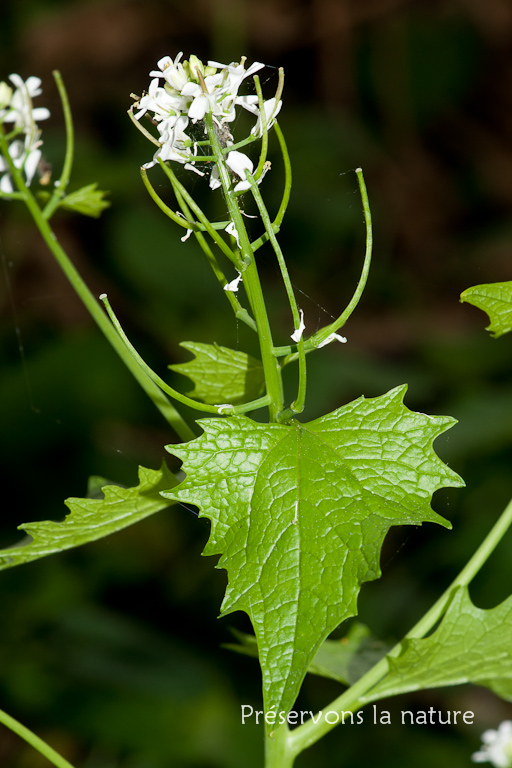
264 131
34 741
287 177
187 223
252 284
322 334
60 190
240 312
314 341
357 696
179 188
204 407
161 402
277 748
177 219
298 405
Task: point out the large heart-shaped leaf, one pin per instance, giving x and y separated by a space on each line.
299 513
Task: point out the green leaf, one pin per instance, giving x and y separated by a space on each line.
299 513
344 660
221 375
92 519
470 645
496 300
88 201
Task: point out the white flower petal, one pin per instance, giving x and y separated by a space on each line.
5 184
233 285
232 230
239 163
332 337
297 334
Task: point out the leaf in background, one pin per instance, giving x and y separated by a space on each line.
88 201
299 513
221 375
344 660
470 645
92 519
496 300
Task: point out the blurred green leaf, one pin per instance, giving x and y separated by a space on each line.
88 200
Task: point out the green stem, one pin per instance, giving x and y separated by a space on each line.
264 131
287 178
356 696
34 741
252 285
240 312
188 223
216 237
165 407
320 336
298 405
204 407
60 190
277 748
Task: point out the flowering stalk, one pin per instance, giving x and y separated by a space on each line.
252 283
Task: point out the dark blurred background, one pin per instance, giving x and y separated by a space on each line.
113 652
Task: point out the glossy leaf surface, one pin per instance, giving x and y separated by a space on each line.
299 513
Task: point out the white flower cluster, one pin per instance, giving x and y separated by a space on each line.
24 147
496 747
191 90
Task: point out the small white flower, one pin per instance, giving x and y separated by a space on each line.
233 285
24 148
297 334
271 109
239 163
332 337
189 92
496 747
232 230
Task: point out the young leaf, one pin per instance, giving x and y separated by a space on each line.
221 375
88 201
299 513
470 645
496 300
92 519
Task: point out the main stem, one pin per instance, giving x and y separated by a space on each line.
277 748
247 266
